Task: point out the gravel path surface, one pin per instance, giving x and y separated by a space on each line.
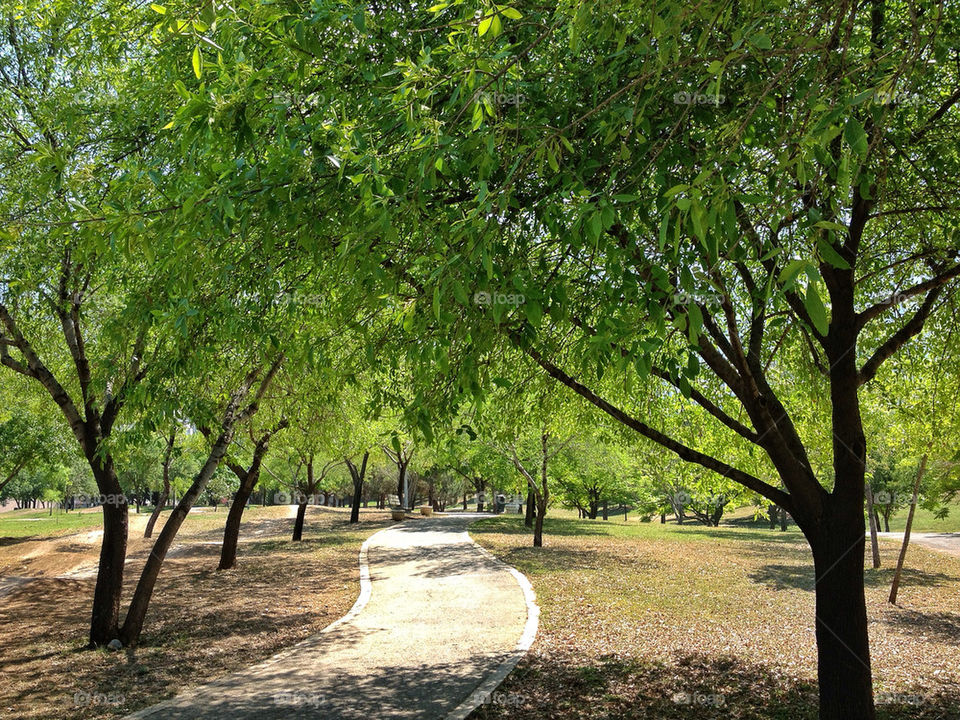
437 618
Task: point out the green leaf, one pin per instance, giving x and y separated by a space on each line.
436 302
484 25
816 310
695 324
158 8
595 225
830 255
460 293
855 136
533 311
789 274
197 60
511 13
552 160
761 41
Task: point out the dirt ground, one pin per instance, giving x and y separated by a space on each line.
651 621
201 624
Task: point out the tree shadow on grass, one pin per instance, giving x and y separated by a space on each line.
513 525
801 577
944 626
760 535
694 686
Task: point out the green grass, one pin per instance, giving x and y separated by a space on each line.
633 614
924 520
29 523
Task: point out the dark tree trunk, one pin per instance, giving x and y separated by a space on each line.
605 510
248 481
784 518
663 518
231 531
136 613
298 523
105 620
843 649
161 501
133 623
538 524
357 476
531 510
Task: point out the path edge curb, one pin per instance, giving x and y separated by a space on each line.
366 590
486 688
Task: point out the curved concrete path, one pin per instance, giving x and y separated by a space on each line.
944 542
438 624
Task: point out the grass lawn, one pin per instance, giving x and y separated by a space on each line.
201 624
27 523
642 620
924 520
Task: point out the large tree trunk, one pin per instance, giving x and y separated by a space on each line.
538 523
843 648
298 523
165 494
231 531
105 617
531 509
357 477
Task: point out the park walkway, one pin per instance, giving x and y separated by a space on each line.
438 623
944 542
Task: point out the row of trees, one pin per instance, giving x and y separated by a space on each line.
728 228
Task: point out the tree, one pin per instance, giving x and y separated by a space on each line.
241 404
164 495
732 249
248 476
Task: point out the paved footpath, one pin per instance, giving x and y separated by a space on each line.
944 542
438 624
